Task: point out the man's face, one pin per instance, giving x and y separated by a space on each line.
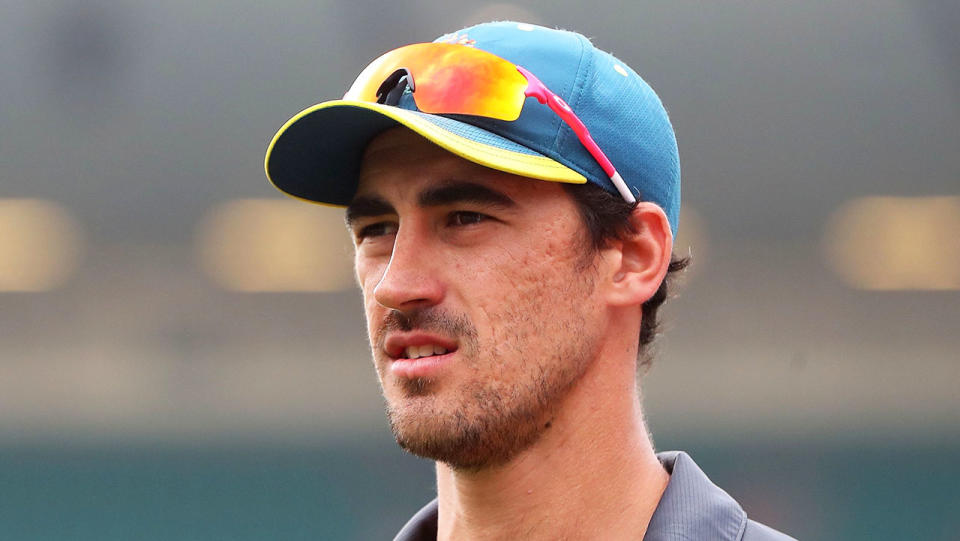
480 299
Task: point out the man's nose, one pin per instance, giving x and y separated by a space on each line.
411 279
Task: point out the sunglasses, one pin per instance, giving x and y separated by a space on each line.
446 78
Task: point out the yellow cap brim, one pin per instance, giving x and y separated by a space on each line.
316 154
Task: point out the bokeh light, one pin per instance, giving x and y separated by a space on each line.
39 245
896 243
273 245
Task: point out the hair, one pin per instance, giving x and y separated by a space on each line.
606 217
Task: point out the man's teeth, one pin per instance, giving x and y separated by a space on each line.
415 352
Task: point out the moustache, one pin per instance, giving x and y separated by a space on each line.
426 319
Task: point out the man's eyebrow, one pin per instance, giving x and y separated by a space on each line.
463 192
367 206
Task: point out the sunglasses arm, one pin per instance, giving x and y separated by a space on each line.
544 95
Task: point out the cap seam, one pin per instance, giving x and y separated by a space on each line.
586 54
584 68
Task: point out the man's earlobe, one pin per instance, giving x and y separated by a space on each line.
644 257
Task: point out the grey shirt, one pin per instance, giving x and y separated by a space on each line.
692 509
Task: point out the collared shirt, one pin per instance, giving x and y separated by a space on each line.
691 509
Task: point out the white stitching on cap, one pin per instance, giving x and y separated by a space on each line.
619 69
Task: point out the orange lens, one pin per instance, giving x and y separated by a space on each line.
449 79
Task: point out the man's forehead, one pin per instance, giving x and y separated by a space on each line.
402 147
398 136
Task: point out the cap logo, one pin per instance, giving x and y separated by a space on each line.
458 39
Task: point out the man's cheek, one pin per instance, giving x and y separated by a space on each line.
368 272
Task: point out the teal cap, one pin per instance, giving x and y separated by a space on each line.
316 155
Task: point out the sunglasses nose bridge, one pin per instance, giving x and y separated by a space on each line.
394 86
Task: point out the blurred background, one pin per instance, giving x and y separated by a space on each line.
182 350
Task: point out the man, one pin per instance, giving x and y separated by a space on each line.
512 255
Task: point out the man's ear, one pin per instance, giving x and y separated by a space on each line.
644 257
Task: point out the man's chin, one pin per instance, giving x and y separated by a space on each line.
424 427
413 387
459 451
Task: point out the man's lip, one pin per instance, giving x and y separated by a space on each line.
396 344
421 367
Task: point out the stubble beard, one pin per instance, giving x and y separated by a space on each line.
488 421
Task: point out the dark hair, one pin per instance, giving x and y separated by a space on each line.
606 218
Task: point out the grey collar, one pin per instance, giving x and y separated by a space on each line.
692 507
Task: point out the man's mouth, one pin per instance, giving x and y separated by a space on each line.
417 345
417 355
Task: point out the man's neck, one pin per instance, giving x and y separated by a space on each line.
592 475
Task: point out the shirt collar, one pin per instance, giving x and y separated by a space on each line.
422 526
691 507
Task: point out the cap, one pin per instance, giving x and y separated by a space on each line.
316 155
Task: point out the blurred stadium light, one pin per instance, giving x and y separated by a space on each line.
256 245
39 244
896 243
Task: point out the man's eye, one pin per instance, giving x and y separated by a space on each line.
378 229
464 217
